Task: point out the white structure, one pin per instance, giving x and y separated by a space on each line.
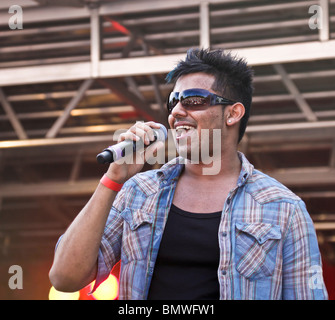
77 72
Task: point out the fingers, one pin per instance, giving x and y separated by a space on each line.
153 149
128 136
140 130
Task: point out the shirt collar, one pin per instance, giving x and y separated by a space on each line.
246 169
172 169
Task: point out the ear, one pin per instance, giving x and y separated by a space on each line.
234 113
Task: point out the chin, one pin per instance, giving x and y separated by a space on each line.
192 155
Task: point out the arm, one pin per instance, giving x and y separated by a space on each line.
75 261
302 269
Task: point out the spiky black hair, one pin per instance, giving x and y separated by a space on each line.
233 77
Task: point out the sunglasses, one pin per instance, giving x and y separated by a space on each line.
194 99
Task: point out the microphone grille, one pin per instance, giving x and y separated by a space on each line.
161 131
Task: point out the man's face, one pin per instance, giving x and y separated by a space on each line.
200 123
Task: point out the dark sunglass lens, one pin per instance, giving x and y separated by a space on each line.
173 100
194 101
195 98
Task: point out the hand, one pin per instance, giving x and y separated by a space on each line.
123 169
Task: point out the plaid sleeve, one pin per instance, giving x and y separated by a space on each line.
302 269
110 246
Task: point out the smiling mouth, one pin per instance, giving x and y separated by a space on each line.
183 131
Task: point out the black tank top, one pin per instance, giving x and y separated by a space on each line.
188 258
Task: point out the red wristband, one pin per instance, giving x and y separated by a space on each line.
110 184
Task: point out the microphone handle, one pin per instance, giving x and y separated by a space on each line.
116 152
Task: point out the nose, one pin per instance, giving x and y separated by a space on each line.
178 111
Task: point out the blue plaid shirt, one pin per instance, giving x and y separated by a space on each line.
268 245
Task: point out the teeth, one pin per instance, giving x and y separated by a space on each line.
183 127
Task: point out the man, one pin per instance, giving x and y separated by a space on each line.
182 233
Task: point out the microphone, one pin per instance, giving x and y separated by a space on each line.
123 148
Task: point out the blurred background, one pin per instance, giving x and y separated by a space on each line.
73 74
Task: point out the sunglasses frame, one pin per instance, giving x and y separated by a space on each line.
214 99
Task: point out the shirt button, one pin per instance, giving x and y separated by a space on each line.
151 270
224 272
224 234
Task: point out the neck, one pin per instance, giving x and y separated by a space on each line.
226 166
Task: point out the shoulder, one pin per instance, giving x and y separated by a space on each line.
265 189
146 182
149 182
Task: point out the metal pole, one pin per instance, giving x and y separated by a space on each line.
95 42
67 112
324 30
204 25
12 117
